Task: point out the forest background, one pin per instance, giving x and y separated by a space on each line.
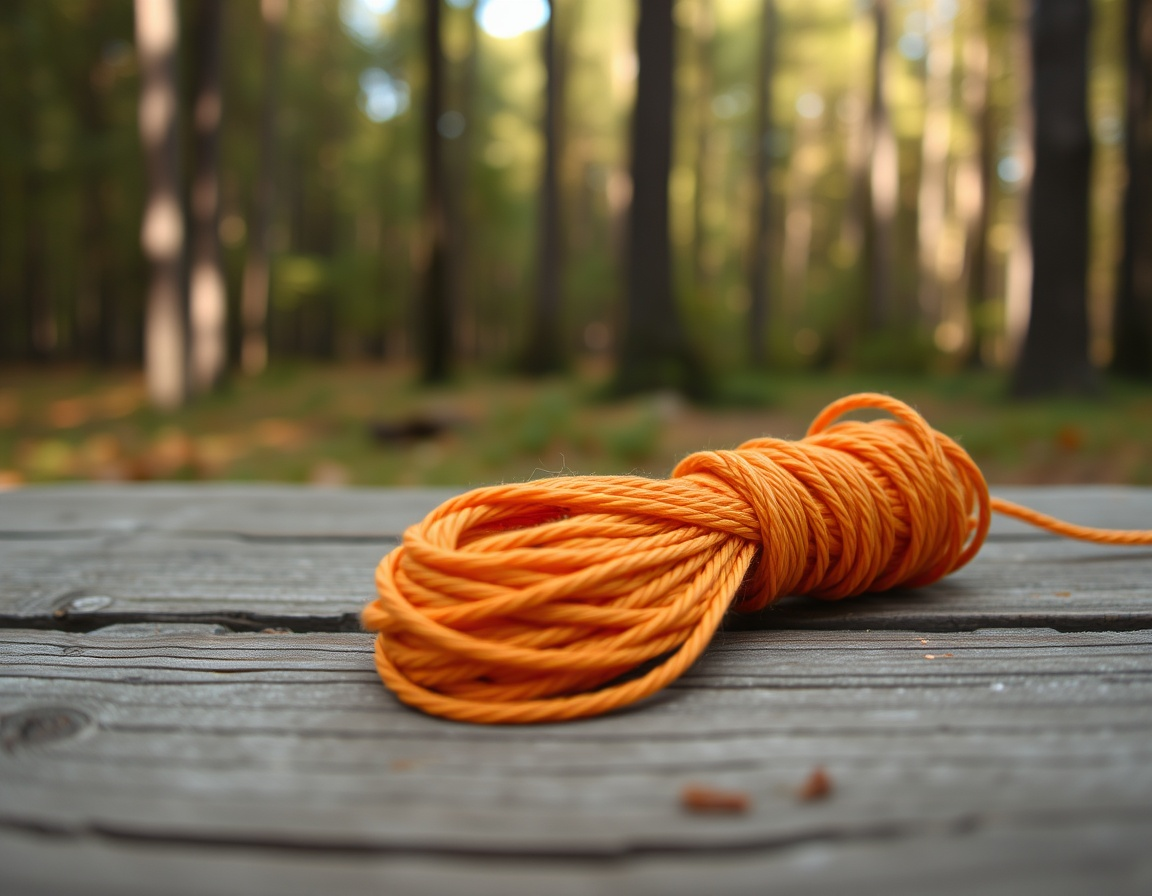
384 241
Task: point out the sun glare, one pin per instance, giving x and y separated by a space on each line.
511 18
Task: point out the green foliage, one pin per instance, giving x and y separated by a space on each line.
893 351
635 441
306 423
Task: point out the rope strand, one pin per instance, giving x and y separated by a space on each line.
573 596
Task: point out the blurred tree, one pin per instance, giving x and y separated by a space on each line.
544 352
803 171
254 301
162 230
761 187
935 146
1132 329
654 351
460 197
434 311
1018 288
857 161
27 303
206 292
97 301
973 181
884 182
1054 358
705 45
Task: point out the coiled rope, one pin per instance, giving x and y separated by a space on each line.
568 597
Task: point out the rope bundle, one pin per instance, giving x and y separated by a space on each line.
569 597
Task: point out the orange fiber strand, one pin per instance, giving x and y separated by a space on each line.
568 597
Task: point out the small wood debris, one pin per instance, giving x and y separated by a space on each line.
416 428
1063 593
937 656
698 798
817 786
275 631
923 640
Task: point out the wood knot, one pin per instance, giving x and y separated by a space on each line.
42 725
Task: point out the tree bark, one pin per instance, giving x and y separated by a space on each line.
653 353
206 297
884 182
162 232
434 312
254 301
761 186
1055 355
545 352
1132 331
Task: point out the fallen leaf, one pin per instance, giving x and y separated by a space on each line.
698 798
66 413
817 786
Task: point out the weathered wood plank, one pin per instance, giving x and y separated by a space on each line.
997 857
276 511
1016 760
85 581
290 739
255 510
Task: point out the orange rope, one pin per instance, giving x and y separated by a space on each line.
569 597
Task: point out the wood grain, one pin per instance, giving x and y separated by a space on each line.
992 733
275 511
235 558
264 745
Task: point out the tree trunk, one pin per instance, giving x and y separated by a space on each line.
434 313
702 267
796 257
1018 288
935 146
761 186
162 232
1132 329
1055 355
460 198
30 323
97 303
545 352
206 297
654 352
974 182
254 301
884 182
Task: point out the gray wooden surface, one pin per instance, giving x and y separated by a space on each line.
186 706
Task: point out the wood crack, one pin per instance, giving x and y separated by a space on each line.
233 621
590 852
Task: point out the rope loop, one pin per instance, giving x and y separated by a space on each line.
569 597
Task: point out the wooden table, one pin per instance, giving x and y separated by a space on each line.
188 707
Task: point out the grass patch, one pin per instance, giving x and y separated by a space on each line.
314 424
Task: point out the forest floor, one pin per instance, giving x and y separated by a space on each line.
372 425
